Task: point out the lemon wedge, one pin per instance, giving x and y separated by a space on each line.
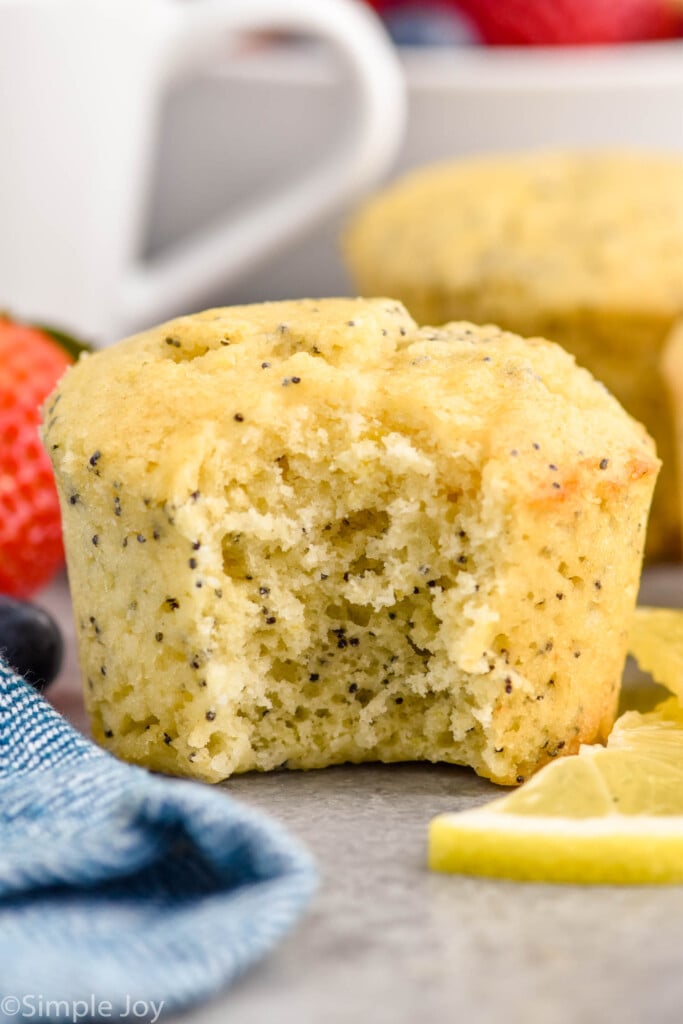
610 814
656 642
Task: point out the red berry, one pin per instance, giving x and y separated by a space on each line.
31 549
572 22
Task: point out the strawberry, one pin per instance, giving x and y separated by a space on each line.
31 362
572 22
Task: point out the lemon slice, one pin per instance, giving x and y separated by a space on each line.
656 642
610 814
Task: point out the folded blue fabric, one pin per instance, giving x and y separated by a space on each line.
124 890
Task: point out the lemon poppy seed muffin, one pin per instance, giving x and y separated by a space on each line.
585 248
311 532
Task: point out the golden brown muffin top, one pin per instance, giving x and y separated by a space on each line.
213 387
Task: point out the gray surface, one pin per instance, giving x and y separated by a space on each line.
387 942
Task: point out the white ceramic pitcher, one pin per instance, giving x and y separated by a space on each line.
81 89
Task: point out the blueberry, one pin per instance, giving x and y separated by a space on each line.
30 641
429 24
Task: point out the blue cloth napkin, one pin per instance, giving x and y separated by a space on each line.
120 889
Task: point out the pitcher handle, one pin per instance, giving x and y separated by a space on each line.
210 258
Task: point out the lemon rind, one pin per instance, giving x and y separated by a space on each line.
640 849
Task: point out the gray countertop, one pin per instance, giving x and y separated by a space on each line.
388 942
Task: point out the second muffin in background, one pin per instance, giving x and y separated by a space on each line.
583 248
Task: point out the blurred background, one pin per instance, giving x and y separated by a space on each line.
168 155
573 75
